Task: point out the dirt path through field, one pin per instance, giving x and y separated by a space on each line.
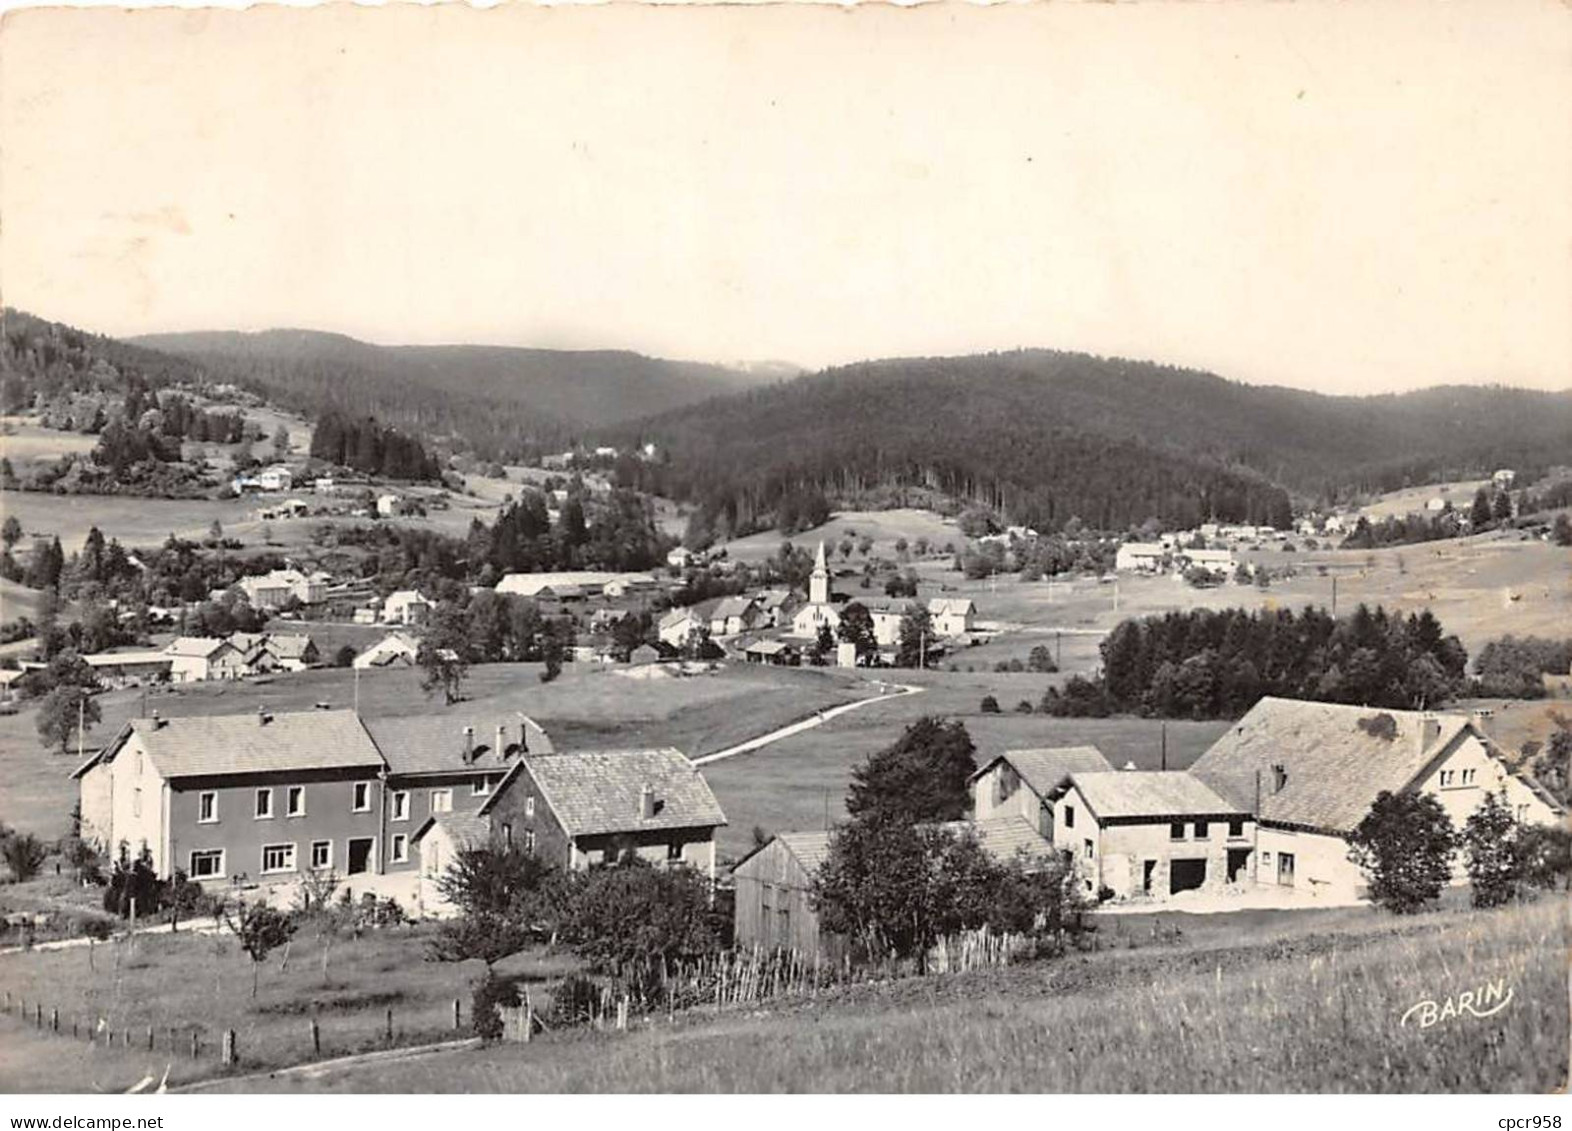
816 719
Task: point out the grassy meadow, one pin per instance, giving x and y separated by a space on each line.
201 984
1275 1002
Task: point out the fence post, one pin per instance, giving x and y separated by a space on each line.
456 1025
529 1017
316 1038
74 1033
196 1045
227 1053
54 1020
390 1024
38 1015
172 1036
149 1038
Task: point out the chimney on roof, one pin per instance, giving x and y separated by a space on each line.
1480 717
1429 730
647 802
469 745
502 742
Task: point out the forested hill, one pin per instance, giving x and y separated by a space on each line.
1045 435
500 400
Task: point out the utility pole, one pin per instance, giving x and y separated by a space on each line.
1058 648
81 712
1164 745
1334 596
357 691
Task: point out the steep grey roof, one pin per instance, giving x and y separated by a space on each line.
426 744
292 646
1002 837
1043 768
810 848
732 607
596 792
1146 793
195 645
462 828
231 744
1335 767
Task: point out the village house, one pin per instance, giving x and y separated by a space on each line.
1026 783
291 651
406 607
389 505
193 659
1218 561
679 557
732 615
773 907
585 808
274 589
393 650
644 654
677 625
275 478
773 608
1142 557
251 798
1310 772
445 766
129 668
951 616
776 652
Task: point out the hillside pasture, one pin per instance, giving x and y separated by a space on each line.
135 521
1412 500
884 527
27 444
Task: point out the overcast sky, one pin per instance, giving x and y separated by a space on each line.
1358 198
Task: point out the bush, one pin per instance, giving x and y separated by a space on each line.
990 705
1041 660
574 1001
491 993
1491 845
1404 845
1024 707
24 855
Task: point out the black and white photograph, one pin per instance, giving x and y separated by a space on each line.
721 549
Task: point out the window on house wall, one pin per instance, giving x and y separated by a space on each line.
207 864
1446 777
529 806
1236 828
1266 858
278 858
442 801
1176 831
321 854
1069 816
529 840
1468 777
264 806
400 848
507 834
480 786
360 799
207 807
1090 850
674 850
400 805
1522 812
136 802
295 801
1202 830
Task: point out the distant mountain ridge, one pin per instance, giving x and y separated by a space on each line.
1044 435
495 397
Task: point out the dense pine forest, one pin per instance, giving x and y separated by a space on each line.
1045 436
1208 664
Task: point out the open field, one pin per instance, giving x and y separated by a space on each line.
582 709
25 443
1412 500
800 782
135 521
884 527
1279 1002
201 983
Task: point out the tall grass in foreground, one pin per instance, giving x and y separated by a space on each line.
1325 1020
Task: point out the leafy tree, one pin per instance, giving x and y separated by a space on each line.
504 881
922 776
61 712
1492 847
133 882
631 917
1040 659
280 442
989 705
259 929
1561 530
1545 856
10 532
856 628
24 855
1404 846
1551 765
1501 508
442 653
823 645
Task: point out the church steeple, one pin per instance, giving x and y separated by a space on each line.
819 580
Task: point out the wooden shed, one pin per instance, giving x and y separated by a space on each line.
773 909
